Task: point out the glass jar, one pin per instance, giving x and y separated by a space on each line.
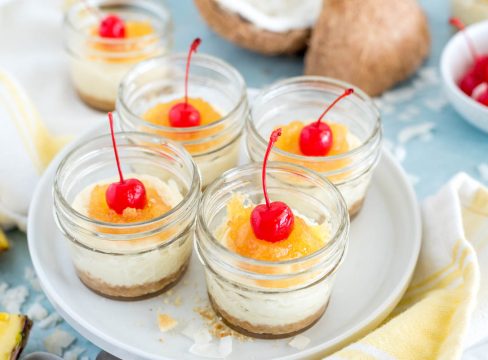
265 298
137 259
304 98
98 64
215 146
470 11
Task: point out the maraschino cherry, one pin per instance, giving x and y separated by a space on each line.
111 26
478 73
127 193
316 138
183 114
272 221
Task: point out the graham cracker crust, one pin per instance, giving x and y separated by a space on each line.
137 292
264 331
355 208
97 104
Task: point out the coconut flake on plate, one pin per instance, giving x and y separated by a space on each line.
73 354
58 341
13 298
411 132
37 312
213 350
299 342
51 320
400 153
199 334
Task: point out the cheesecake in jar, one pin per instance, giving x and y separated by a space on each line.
129 231
328 126
197 100
105 39
270 263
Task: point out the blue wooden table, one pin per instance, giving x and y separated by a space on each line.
450 145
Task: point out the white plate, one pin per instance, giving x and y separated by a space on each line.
384 246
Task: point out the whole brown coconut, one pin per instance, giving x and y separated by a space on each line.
245 34
372 44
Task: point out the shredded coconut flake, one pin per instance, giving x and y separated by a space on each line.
411 132
225 346
73 354
483 170
13 298
31 277
299 342
399 95
51 320
37 312
436 104
57 341
400 153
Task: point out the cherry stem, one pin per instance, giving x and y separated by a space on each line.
92 10
461 27
116 152
272 139
193 49
346 93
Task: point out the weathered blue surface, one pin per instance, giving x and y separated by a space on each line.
454 145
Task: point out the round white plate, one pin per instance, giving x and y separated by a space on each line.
384 246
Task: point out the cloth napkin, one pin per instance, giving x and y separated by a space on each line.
445 308
27 147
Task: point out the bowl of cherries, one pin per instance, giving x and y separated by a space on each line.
464 70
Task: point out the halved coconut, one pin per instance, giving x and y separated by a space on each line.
372 44
239 30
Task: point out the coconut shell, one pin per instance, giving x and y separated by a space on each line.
372 44
245 34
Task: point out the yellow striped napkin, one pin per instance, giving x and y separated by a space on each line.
440 313
26 148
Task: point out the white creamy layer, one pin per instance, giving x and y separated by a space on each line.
98 79
213 165
354 191
276 15
270 307
128 268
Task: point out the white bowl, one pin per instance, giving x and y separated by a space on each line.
455 61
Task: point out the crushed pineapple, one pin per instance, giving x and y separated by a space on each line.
159 115
305 239
99 210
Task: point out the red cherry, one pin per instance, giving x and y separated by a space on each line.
124 194
272 221
316 138
481 67
129 193
112 27
469 82
183 114
481 95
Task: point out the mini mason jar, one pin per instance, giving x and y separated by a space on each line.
98 64
264 298
137 259
304 98
214 146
